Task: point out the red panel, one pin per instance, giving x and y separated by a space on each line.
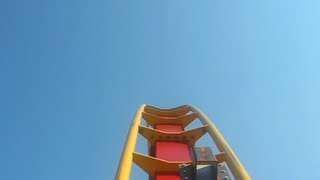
168 177
170 151
169 127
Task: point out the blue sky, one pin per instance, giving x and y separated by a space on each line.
72 74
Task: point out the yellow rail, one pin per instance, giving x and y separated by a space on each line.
124 168
125 164
231 159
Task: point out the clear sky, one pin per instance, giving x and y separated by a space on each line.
72 74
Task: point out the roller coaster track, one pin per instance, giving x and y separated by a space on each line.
172 151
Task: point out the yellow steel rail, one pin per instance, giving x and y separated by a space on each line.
125 164
231 159
124 168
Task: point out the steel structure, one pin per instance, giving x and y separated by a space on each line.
172 151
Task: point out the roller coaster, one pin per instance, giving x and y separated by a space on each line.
172 151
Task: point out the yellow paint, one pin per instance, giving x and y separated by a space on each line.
185 120
231 159
151 164
220 157
124 168
190 136
178 111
